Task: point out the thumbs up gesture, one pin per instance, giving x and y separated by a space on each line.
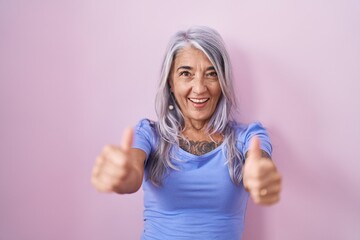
119 168
260 177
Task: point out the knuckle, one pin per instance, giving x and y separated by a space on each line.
119 161
99 160
254 172
95 171
106 148
122 162
107 182
97 165
256 185
93 181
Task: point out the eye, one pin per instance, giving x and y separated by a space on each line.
185 74
212 74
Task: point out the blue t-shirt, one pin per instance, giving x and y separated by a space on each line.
199 200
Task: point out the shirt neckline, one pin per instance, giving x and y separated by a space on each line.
200 157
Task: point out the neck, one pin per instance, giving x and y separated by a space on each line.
197 131
198 126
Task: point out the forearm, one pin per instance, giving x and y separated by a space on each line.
131 181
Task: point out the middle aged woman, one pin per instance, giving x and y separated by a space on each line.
197 165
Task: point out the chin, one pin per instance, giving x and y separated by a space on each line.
200 118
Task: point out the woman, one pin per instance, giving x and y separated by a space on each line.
196 165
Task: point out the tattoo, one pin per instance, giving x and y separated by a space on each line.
198 148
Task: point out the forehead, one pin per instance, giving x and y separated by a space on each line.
190 55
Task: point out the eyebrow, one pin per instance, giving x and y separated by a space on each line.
184 67
189 68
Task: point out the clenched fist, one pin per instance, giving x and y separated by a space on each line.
261 178
119 168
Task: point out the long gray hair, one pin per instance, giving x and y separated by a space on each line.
171 122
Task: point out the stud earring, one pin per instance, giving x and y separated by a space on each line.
171 107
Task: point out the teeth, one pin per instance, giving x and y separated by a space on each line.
198 100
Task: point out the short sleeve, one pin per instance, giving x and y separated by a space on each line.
256 129
144 138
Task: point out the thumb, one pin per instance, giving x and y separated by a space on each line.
127 139
254 151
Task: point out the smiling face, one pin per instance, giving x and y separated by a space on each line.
195 85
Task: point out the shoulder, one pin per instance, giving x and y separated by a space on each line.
145 137
244 128
146 128
146 124
247 130
244 132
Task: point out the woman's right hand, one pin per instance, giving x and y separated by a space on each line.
119 169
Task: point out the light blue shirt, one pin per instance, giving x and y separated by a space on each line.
199 201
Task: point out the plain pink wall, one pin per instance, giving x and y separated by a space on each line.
74 74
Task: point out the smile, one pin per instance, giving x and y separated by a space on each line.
199 100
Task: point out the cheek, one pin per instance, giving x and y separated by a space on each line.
179 95
181 90
216 91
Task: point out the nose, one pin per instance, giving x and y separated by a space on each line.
199 85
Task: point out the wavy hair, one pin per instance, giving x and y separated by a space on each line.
171 122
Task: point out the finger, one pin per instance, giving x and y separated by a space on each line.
261 171
266 200
270 182
273 189
254 151
264 192
97 166
127 139
114 169
101 186
272 200
108 150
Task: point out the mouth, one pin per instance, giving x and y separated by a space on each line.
199 102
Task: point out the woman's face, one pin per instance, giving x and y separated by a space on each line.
195 85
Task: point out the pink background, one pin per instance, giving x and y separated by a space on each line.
74 74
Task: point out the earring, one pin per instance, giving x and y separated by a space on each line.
171 107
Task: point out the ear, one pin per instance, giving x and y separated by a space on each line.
171 85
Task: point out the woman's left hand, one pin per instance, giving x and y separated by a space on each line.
260 177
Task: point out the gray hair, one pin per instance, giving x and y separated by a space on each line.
171 122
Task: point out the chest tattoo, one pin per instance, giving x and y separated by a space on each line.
198 147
